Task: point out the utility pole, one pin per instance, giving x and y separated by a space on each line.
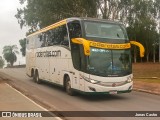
159 46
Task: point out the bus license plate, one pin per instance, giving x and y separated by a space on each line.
113 92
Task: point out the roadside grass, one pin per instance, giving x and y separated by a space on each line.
147 72
149 80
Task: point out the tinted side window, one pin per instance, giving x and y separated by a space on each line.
38 41
78 57
64 36
31 42
75 29
58 36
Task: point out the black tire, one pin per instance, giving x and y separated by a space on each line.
32 73
36 78
68 86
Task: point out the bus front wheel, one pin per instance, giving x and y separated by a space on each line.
68 86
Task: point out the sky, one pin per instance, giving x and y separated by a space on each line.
10 32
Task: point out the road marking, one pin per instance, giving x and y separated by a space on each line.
58 118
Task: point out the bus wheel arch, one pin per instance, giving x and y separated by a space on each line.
67 85
64 78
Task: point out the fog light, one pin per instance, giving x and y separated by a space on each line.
92 89
130 88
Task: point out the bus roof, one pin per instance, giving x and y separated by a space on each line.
92 19
62 22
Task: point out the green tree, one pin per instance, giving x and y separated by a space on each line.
22 43
139 16
40 13
142 25
9 54
114 9
1 62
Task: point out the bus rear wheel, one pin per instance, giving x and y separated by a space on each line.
36 78
68 86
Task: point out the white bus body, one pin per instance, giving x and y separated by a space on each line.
55 63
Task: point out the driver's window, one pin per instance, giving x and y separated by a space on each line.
74 29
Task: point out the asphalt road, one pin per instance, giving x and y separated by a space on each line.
54 98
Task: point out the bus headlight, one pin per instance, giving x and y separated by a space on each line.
94 81
90 80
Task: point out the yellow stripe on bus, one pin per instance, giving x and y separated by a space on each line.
87 44
63 22
109 45
142 50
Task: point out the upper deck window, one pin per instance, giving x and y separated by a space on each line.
105 30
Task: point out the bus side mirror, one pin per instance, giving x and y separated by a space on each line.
142 50
85 43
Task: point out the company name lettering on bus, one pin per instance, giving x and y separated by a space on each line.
49 53
110 46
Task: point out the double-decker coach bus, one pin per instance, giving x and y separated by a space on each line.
81 54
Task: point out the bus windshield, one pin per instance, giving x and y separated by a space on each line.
105 30
105 63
